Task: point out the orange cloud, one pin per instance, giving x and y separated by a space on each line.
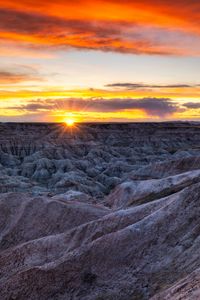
94 109
100 109
159 107
141 27
13 78
160 12
176 92
19 74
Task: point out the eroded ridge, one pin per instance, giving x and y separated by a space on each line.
109 211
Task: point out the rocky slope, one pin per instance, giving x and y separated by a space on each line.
100 211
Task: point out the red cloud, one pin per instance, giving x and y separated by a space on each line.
141 27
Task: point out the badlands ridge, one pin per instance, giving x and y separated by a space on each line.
100 211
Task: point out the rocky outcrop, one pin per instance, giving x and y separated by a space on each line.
23 217
94 158
187 288
139 192
166 168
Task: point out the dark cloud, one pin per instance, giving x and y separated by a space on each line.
160 107
192 105
133 86
33 23
34 107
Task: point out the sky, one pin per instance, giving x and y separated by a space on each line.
99 60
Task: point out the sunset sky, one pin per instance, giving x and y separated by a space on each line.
99 60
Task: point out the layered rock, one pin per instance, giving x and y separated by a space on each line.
138 192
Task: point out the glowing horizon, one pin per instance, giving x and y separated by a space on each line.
99 60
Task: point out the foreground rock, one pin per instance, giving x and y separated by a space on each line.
138 192
187 288
124 254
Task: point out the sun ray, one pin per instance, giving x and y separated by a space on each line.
70 122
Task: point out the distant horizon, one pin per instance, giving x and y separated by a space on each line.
99 122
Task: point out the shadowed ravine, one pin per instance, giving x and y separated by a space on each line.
100 211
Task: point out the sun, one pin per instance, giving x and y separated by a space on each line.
70 122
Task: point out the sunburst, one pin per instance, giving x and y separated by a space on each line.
70 122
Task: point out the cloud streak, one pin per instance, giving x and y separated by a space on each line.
134 86
159 107
192 105
141 27
35 30
19 74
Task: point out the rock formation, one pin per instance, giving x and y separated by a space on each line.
103 211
